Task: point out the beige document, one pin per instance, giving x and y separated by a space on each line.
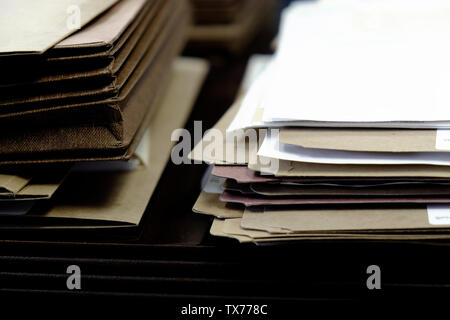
239 145
31 184
366 140
236 142
106 28
210 204
231 228
30 26
303 169
347 220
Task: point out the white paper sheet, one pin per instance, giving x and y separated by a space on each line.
272 148
254 85
438 214
361 63
247 116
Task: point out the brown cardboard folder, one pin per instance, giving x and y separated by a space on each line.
338 220
231 228
119 199
87 85
250 200
113 138
210 204
86 52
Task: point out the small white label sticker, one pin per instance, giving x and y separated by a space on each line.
438 214
442 139
214 184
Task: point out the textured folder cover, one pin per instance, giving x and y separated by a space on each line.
89 88
74 59
114 138
119 199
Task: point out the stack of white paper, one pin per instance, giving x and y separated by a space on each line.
357 64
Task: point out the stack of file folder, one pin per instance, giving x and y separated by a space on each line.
352 129
84 97
228 24
87 114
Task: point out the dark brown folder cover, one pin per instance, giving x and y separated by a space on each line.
98 81
97 135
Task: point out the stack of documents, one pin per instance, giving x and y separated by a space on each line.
229 24
87 96
352 129
87 115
